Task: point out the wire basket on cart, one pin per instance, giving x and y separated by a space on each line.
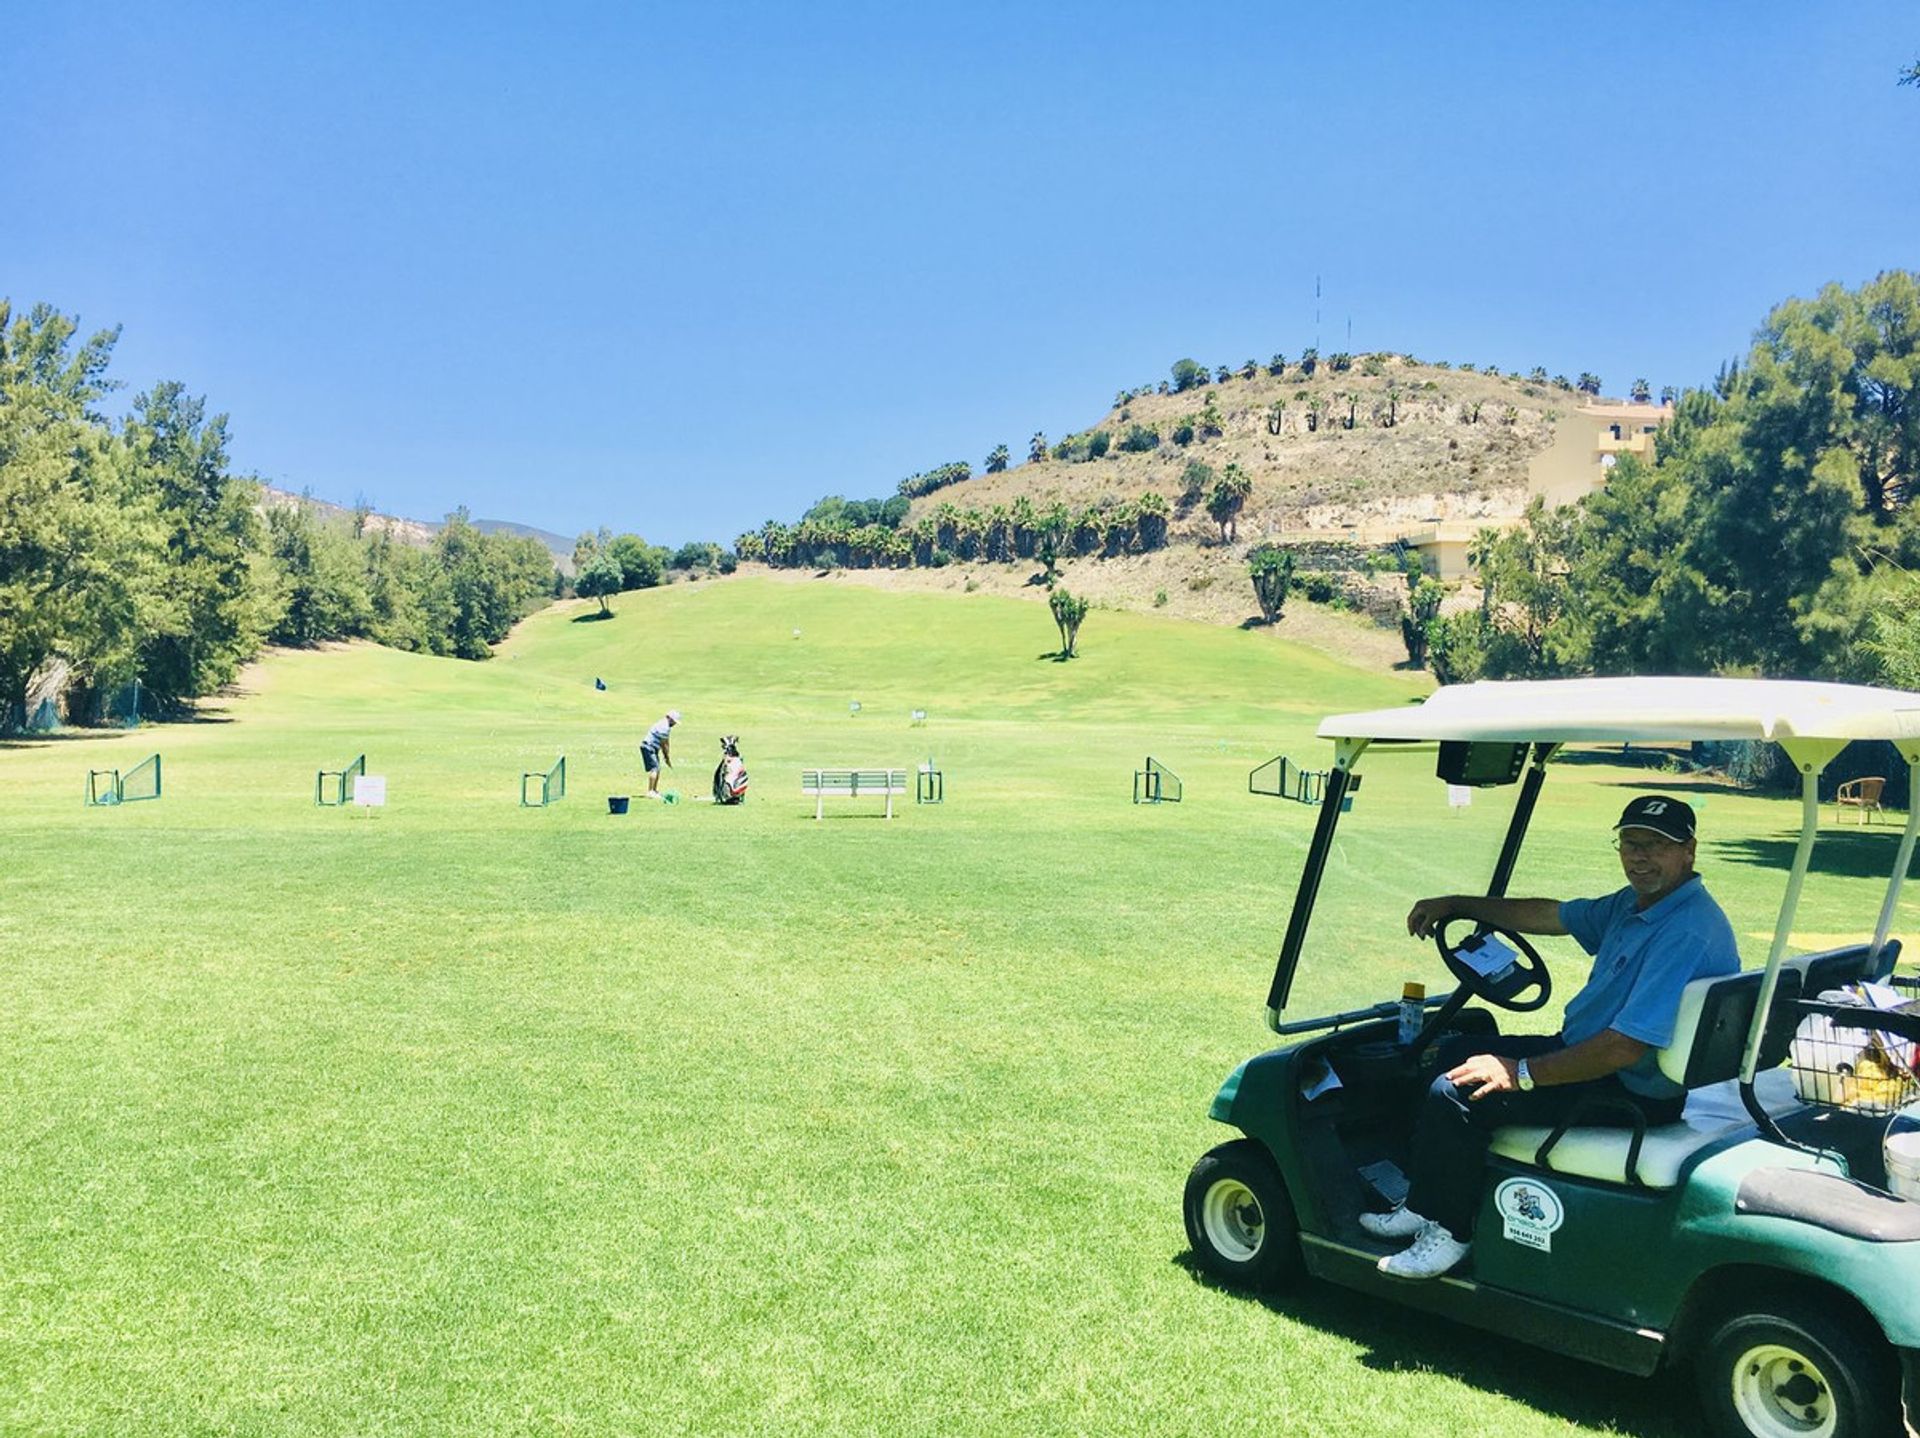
1850 1054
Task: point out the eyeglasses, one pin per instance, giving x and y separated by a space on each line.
1642 848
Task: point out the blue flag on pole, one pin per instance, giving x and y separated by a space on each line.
599 683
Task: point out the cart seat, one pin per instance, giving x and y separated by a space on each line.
1709 1042
1713 1115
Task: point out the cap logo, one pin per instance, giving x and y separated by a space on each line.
1654 806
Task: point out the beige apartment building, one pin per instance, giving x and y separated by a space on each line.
1587 442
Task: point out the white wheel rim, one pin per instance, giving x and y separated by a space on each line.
1779 1392
1234 1224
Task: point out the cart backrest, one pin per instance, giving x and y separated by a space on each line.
1710 1030
1830 968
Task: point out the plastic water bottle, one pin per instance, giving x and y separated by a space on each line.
1413 1012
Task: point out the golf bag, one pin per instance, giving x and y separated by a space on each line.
730 775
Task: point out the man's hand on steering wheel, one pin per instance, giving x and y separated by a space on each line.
1429 914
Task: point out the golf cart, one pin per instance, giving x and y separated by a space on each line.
1756 1239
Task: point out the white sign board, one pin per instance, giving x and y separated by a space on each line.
370 790
1459 796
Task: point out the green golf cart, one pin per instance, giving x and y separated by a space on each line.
1757 1239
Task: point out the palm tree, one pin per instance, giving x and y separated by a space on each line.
1537 375
1229 497
997 539
1276 417
1668 394
774 541
1588 383
1023 521
1277 366
1641 393
1316 407
946 525
1153 520
969 533
997 461
1037 448
1480 551
1309 361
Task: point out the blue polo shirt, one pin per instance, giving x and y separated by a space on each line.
1642 958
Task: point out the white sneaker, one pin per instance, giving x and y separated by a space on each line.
1400 1222
1432 1254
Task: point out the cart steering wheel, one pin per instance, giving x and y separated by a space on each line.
1529 972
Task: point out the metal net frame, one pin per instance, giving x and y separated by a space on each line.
332 787
1281 778
553 785
1156 784
142 781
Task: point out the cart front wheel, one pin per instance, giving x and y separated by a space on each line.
1798 1368
1239 1219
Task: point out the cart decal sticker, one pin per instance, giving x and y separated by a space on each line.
1529 1213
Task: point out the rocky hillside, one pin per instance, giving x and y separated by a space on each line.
1384 442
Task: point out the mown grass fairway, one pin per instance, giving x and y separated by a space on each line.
463 1119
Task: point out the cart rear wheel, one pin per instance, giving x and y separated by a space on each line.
1239 1219
1798 1367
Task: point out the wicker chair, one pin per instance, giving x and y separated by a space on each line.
1859 794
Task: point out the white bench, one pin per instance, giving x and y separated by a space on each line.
825 784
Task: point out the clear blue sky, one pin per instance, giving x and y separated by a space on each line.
682 268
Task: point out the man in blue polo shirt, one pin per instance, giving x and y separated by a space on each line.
1648 941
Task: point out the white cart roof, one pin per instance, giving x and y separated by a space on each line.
1648 709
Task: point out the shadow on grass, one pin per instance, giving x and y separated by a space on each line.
61 736
1621 757
1861 854
153 729
1057 656
593 618
1400 1340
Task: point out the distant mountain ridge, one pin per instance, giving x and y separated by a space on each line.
420 532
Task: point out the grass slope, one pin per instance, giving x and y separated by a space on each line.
466 1119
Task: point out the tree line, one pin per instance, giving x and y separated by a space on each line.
828 538
1773 532
130 551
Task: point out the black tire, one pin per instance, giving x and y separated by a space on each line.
1239 1219
1787 1362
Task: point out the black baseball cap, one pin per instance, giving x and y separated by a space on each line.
1661 814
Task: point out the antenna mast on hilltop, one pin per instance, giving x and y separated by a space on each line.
1316 312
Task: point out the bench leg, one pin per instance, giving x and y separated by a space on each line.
819 801
889 803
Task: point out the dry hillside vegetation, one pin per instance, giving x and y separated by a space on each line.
1457 447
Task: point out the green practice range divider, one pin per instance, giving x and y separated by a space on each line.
333 787
1156 784
107 787
1281 778
553 785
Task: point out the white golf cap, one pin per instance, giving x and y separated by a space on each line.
673 716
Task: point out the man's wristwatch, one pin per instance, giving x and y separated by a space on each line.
1523 1076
